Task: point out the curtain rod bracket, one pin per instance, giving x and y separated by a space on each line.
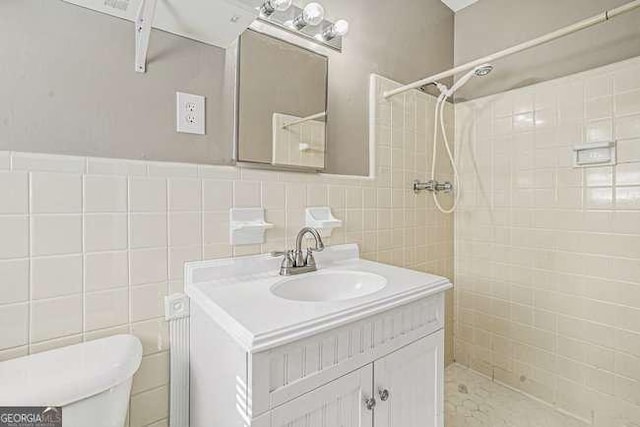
143 22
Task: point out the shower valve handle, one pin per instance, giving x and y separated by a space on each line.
433 186
445 187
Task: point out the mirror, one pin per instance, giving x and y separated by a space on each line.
282 104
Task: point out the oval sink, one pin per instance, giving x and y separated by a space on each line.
329 286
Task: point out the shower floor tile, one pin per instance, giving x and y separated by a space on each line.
472 400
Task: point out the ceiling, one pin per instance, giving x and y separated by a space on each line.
456 5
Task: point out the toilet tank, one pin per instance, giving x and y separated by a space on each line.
90 381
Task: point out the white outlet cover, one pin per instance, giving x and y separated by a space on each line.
190 113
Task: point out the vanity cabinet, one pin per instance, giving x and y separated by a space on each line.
409 385
385 370
407 392
339 403
260 358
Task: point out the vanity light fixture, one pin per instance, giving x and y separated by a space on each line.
270 6
339 29
308 22
312 14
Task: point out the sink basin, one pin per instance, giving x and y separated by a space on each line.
329 286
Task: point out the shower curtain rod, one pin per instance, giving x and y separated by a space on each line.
589 22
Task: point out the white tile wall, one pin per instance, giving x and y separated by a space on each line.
56 234
106 309
105 194
55 193
14 325
147 194
547 256
14 193
105 232
56 276
91 246
105 270
55 317
15 236
14 286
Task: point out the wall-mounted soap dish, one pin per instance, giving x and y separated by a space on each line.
601 153
322 219
247 226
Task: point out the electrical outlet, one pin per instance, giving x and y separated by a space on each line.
190 113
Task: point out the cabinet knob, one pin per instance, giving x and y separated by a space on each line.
384 394
370 403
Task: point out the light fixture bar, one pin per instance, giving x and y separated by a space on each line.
324 32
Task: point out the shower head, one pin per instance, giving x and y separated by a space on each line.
483 70
480 71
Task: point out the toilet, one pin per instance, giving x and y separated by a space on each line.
91 381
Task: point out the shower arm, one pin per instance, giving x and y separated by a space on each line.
589 22
458 84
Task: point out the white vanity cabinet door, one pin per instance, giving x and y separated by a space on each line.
413 377
339 403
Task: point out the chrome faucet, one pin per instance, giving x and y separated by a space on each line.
295 262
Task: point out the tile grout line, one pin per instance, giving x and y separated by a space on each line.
30 262
83 251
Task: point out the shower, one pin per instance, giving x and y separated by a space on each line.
483 70
433 185
479 71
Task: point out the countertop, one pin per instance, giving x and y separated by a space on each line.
235 292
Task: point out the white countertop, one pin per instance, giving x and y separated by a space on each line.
235 292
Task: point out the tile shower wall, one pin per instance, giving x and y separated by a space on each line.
547 259
91 246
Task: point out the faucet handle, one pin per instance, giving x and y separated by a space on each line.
287 263
288 260
310 261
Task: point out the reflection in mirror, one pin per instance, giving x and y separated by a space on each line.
282 104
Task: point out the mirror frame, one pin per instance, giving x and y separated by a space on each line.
233 60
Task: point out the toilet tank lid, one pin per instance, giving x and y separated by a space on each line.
69 374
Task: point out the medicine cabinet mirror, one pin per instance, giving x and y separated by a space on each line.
282 104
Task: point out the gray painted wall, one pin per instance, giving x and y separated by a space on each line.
67 83
492 25
403 40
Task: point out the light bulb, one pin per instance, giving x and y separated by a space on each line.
312 14
281 5
339 29
270 6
